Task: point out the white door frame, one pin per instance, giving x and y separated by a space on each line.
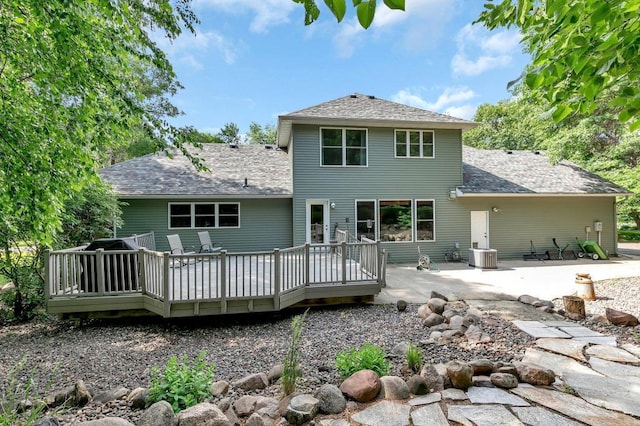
325 217
480 228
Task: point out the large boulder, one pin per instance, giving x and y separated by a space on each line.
504 380
111 395
460 374
424 311
435 381
245 405
362 386
433 319
159 414
417 385
331 399
202 414
534 374
219 388
393 388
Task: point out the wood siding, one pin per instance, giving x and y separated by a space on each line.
385 177
264 224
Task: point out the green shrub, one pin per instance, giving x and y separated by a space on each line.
368 357
629 235
291 371
182 384
414 358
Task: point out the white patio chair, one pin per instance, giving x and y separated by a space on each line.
206 246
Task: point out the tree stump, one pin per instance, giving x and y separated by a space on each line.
574 305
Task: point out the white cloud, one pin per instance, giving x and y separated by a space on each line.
268 13
452 101
187 47
348 38
490 50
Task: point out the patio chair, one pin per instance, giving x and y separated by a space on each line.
176 245
206 246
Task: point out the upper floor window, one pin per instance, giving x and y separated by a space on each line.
415 143
343 147
204 215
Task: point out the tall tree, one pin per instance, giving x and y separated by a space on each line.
263 135
230 133
70 90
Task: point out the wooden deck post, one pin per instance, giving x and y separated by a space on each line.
99 270
379 262
307 263
165 282
47 273
142 262
276 279
223 281
343 248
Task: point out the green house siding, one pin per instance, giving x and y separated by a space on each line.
264 224
384 178
539 219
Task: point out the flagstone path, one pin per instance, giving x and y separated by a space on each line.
597 383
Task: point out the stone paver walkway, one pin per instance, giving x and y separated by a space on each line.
597 383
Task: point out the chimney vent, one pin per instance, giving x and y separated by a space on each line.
246 183
371 97
353 96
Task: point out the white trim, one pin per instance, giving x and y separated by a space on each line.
407 133
198 197
410 200
344 147
415 220
376 219
192 214
326 220
535 194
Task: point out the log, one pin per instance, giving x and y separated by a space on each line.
574 305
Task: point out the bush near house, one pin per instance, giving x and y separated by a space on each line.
628 235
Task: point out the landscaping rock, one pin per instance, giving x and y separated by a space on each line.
471 319
481 366
424 311
107 421
434 380
456 322
433 319
201 414
331 399
401 305
255 420
450 313
111 395
138 398
620 318
418 385
436 305
252 382
436 295
245 405
393 388
504 380
47 421
275 373
362 386
460 374
534 374
302 409
219 388
159 414
400 350
81 395
526 299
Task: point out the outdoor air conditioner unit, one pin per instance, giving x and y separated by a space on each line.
483 258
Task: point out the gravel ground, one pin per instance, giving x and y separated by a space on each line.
110 354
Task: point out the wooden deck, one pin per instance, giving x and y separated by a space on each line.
112 282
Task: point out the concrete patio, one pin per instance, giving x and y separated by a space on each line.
547 279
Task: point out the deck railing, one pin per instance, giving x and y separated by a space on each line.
222 276
147 240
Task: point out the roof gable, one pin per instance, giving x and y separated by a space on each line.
266 171
358 109
497 172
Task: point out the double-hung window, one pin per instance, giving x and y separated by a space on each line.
415 143
343 147
204 215
366 219
425 220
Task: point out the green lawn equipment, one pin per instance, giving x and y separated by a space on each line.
590 248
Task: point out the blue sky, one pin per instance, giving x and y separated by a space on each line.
252 60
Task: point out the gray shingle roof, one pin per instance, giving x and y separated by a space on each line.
367 110
363 107
155 175
526 172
